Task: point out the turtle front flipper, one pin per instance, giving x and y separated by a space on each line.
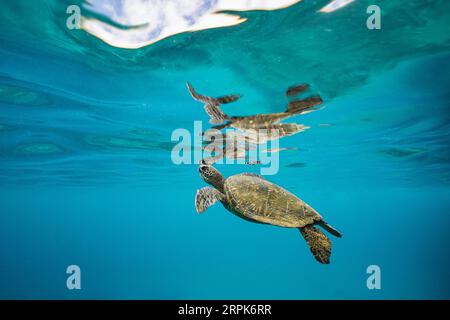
318 243
199 97
206 197
215 113
212 105
222 126
294 90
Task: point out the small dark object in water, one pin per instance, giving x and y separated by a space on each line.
401 153
296 165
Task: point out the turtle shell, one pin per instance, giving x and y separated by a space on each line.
254 198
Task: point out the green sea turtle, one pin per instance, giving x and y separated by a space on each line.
268 121
255 199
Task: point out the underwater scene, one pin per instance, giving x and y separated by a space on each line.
313 137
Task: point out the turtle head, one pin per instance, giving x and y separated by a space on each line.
211 175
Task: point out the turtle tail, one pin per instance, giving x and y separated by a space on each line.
330 229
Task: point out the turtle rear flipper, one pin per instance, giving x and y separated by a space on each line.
217 116
303 105
318 243
294 90
206 197
228 98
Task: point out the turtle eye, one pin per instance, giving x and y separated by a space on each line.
204 171
208 172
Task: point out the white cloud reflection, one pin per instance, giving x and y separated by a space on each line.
335 5
148 21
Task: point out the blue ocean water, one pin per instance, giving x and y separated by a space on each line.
86 176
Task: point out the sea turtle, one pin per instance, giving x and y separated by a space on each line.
253 198
268 121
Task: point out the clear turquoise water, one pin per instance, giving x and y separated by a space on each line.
86 176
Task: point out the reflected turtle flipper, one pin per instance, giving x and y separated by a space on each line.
294 90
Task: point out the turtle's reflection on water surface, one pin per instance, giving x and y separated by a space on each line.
251 133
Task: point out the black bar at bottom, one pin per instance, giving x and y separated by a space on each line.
226 309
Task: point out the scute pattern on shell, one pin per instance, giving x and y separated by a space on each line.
257 199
